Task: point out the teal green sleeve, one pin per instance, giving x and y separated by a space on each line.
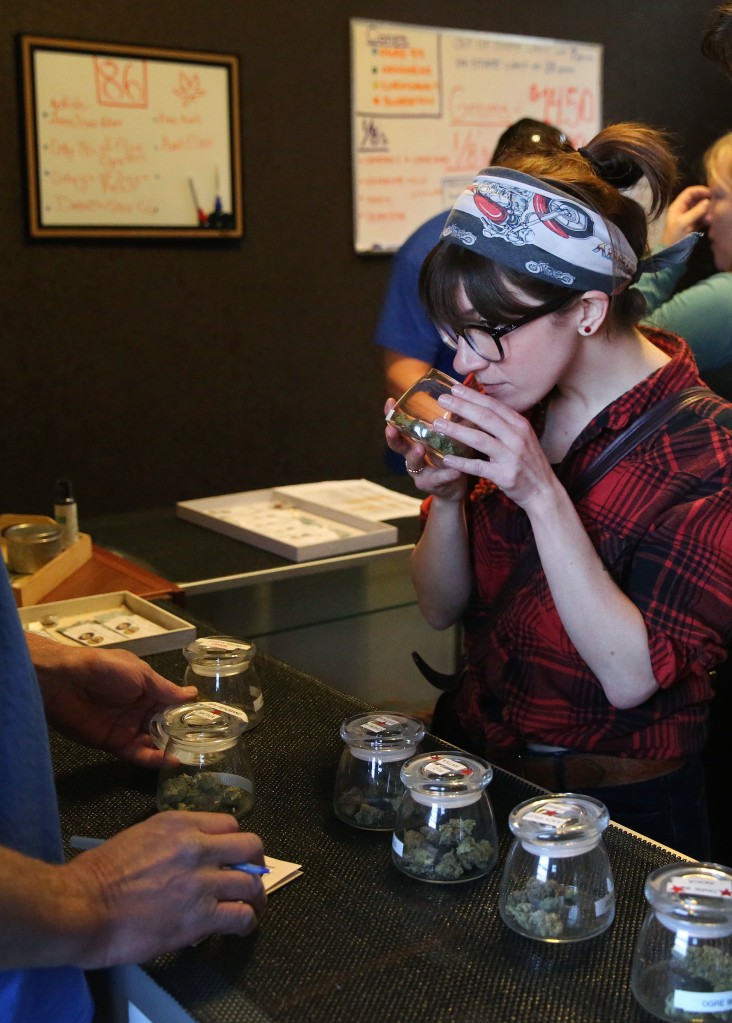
659 287
702 314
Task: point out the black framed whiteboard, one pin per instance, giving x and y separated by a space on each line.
428 105
130 141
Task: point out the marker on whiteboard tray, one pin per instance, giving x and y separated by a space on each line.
217 191
202 218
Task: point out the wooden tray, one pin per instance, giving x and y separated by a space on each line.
107 572
35 586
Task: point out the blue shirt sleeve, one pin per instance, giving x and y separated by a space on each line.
29 819
403 325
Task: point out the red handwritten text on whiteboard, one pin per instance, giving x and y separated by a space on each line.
120 83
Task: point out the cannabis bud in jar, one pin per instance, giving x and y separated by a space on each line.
445 830
368 787
682 964
205 762
416 411
557 884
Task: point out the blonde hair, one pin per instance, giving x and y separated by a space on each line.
718 160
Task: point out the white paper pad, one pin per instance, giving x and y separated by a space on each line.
357 497
280 872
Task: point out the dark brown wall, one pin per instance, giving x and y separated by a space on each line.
161 371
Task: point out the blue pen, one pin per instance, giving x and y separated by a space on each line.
81 842
250 868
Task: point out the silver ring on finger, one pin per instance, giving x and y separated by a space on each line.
413 472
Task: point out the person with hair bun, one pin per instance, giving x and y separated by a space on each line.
717 39
702 313
591 623
409 341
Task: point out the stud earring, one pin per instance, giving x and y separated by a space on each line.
587 330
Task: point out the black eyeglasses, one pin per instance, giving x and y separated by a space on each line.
486 340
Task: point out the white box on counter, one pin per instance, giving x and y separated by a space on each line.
281 521
100 620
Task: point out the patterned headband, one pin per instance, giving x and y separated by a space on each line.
530 226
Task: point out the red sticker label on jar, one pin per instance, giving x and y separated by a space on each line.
441 766
380 724
202 715
556 818
717 887
226 708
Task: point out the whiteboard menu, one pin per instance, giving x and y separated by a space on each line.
130 140
429 104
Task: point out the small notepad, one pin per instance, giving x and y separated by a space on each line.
280 872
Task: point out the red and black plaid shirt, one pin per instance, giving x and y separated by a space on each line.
662 522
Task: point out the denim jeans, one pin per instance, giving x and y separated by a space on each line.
671 809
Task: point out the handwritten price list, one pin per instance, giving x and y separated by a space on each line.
404 78
428 107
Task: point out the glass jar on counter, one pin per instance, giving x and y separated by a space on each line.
445 831
557 885
224 671
368 787
205 762
682 964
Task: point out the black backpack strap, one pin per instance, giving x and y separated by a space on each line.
632 436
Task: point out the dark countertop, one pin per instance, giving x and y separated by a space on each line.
184 552
354 939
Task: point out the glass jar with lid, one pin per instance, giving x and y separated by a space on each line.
368 787
445 831
557 885
224 671
205 763
416 411
682 964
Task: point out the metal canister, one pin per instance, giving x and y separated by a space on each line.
31 545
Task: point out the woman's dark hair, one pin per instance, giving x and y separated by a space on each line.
717 39
620 152
527 134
